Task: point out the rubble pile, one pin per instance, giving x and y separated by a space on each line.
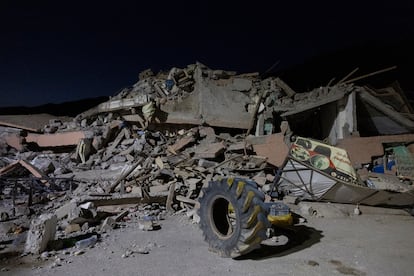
97 184
198 95
150 149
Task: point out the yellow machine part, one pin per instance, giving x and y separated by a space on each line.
282 220
230 208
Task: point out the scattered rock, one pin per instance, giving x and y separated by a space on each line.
72 228
313 263
78 252
146 225
108 224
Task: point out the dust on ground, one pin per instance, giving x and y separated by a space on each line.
369 244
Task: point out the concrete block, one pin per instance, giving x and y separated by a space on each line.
44 164
180 144
72 228
208 134
260 180
136 190
159 189
209 151
97 142
42 230
65 210
206 163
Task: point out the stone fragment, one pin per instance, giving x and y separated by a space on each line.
136 190
128 142
192 183
159 188
85 227
72 228
206 163
148 225
260 180
108 224
66 210
97 142
180 144
209 150
45 255
42 230
78 252
208 134
4 216
159 162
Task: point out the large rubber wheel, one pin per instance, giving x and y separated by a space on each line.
233 217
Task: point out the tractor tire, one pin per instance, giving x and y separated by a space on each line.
233 216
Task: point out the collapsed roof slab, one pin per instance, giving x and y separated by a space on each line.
32 169
61 139
213 103
299 108
116 105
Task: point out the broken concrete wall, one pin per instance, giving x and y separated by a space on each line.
362 149
197 95
345 119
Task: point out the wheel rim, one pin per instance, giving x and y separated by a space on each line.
222 219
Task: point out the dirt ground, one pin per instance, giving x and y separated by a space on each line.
368 244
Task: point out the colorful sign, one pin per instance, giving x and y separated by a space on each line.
323 158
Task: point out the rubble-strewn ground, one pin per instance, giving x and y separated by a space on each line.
369 244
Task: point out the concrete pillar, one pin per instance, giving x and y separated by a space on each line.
345 122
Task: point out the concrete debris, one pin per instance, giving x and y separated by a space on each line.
108 224
72 228
147 225
210 151
42 230
151 148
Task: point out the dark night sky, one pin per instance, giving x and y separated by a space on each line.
56 51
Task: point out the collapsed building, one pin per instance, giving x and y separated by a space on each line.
160 140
